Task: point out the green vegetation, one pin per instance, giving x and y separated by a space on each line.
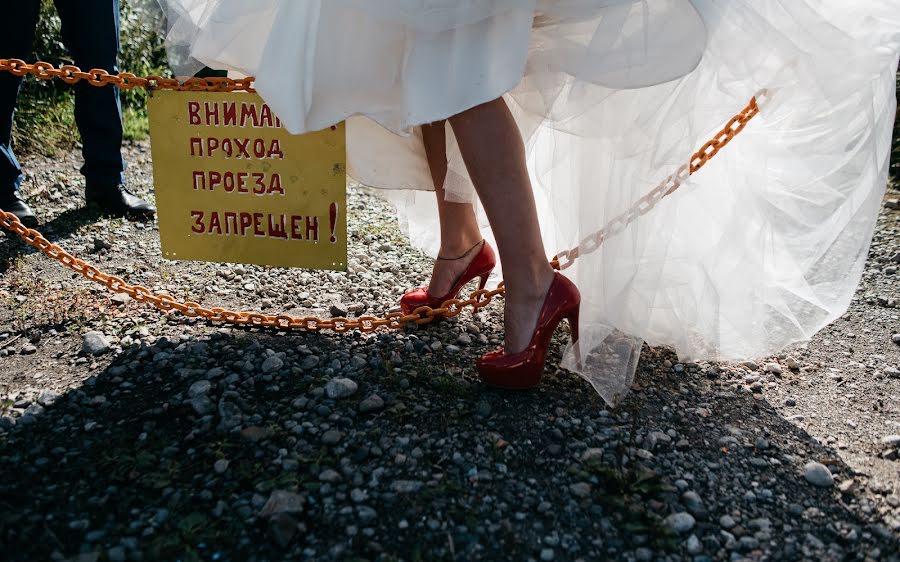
45 121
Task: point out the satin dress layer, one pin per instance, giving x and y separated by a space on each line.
758 250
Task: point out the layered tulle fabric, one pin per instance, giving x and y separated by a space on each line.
760 249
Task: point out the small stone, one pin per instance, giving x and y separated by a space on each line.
790 402
680 522
199 388
230 415
580 490
373 403
483 409
693 502
792 364
48 397
281 501
340 388
310 362
116 554
329 475
774 368
202 405
547 554
33 410
221 466
406 486
28 349
896 338
338 310
272 364
256 434
818 475
889 440
693 545
120 299
332 437
727 522
94 343
847 486
892 372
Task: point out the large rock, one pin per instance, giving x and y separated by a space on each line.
94 343
680 522
341 388
818 475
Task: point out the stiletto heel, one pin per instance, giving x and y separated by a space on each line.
481 266
519 371
573 324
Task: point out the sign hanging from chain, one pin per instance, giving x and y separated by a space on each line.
232 185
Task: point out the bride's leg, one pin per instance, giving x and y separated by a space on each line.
459 228
494 153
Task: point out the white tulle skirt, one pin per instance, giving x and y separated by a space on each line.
760 249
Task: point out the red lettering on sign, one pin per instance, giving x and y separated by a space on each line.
198 226
230 114
194 113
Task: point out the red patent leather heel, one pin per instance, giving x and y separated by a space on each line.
481 267
519 371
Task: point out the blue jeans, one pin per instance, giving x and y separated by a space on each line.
90 30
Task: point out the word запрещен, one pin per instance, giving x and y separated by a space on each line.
242 115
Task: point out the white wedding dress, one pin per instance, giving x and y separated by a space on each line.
760 249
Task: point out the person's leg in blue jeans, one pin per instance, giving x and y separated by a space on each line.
16 38
90 30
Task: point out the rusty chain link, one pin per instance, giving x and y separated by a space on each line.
395 320
124 80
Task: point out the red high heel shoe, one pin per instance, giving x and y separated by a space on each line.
481 266
519 371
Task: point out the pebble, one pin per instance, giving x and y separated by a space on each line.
727 522
891 440
680 522
693 545
547 554
774 368
199 388
94 343
272 364
202 405
341 388
221 466
48 397
329 475
373 403
580 490
818 475
332 437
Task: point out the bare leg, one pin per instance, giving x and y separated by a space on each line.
459 228
494 152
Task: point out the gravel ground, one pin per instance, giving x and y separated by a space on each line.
130 435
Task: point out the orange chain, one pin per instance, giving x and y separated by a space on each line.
124 80
395 320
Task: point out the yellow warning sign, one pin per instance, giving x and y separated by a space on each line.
232 185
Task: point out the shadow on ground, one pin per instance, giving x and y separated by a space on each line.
145 462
